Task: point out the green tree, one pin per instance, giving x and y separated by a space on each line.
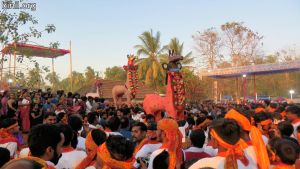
115 73
90 74
19 27
150 70
53 78
35 76
20 79
78 80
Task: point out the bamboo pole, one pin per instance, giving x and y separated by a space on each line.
254 85
15 59
52 65
71 67
237 88
9 66
14 78
2 62
52 71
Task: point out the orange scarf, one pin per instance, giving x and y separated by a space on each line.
174 138
107 130
266 122
256 138
36 159
282 166
233 153
6 137
283 114
203 124
110 163
89 159
259 109
272 110
67 149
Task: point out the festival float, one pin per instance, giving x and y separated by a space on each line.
174 101
129 89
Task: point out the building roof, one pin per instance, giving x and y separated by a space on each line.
107 86
253 70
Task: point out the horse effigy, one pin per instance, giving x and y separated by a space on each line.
97 84
174 101
129 89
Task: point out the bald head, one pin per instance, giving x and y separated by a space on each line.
22 164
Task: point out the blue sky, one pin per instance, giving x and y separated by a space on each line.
103 32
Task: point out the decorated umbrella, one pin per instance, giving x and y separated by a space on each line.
30 50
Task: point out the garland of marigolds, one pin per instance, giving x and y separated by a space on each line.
133 80
177 86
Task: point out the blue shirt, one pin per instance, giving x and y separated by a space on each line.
54 101
126 133
46 106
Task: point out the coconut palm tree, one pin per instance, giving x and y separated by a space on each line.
35 77
78 81
53 78
150 70
90 74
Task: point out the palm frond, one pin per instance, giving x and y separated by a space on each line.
145 42
188 59
142 51
163 58
180 50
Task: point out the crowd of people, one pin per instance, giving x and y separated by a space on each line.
67 131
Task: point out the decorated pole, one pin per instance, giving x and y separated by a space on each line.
71 79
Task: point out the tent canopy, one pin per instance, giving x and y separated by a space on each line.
33 50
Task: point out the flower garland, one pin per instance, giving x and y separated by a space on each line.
177 86
132 75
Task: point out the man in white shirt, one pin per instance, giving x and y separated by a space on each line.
75 121
112 126
70 157
135 114
196 150
45 143
227 139
59 109
149 146
293 115
158 159
89 104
